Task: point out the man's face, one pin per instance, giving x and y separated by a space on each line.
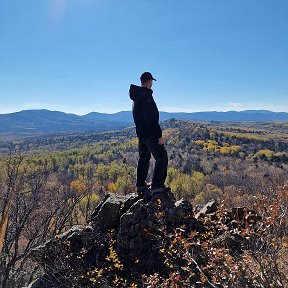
150 83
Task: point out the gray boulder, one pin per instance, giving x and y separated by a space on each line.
209 208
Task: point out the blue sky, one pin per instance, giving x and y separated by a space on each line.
80 56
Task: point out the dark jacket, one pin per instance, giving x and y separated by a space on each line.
145 112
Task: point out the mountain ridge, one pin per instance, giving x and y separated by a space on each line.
42 121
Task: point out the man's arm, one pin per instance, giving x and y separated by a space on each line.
149 110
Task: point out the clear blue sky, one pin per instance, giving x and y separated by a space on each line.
80 56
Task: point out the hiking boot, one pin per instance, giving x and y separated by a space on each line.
142 189
159 191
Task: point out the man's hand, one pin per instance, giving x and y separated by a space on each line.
160 141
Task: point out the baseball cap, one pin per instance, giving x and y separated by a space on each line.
146 76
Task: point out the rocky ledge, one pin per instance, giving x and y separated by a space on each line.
131 237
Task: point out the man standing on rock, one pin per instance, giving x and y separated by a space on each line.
149 133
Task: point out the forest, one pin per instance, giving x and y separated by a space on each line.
50 183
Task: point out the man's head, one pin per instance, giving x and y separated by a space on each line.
147 80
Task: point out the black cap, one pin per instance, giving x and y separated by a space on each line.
146 76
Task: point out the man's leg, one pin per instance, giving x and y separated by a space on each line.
160 154
143 163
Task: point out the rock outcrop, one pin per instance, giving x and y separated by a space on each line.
127 236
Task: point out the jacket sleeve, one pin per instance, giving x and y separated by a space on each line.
150 114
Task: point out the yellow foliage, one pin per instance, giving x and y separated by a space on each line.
212 145
133 141
112 187
266 152
78 186
200 142
113 257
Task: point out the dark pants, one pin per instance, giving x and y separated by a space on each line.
146 146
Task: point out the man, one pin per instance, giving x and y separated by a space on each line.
146 119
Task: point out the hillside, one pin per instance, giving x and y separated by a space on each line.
51 183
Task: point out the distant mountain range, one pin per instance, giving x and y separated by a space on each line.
33 122
246 115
